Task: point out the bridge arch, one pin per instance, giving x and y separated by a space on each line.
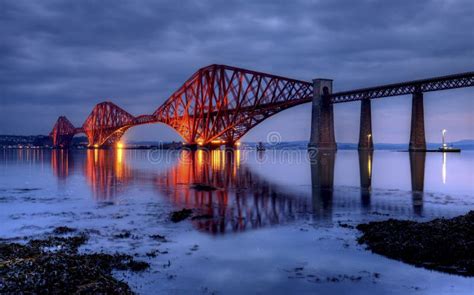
155 130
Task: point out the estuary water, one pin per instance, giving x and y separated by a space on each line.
276 221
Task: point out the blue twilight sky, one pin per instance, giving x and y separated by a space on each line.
63 57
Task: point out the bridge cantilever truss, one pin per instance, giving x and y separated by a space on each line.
221 103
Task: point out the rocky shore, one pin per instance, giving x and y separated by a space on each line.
445 245
54 265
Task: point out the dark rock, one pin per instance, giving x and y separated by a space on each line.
178 216
445 245
25 190
135 265
158 237
345 225
152 254
123 235
203 187
61 230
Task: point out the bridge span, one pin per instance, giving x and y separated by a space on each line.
220 104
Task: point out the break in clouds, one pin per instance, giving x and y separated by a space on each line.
63 57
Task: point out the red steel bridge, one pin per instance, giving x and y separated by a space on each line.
219 104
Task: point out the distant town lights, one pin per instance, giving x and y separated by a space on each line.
217 141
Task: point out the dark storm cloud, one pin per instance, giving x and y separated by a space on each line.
65 56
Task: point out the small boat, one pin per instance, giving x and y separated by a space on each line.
260 147
449 149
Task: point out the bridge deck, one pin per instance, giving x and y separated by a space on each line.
410 87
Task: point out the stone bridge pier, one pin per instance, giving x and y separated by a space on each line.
322 121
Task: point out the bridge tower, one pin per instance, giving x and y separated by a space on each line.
322 121
417 132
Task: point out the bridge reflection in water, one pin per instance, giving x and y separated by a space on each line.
107 173
242 199
62 162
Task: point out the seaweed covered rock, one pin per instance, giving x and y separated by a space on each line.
53 265
441 244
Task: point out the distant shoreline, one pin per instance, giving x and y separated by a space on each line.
43 141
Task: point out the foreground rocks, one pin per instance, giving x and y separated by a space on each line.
53 265
442 244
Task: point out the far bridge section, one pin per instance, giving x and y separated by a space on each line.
322 133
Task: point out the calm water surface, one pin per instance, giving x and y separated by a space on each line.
272 226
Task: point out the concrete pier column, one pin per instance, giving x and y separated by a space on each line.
417 132
365 133
322 121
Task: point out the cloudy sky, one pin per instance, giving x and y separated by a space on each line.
63 57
